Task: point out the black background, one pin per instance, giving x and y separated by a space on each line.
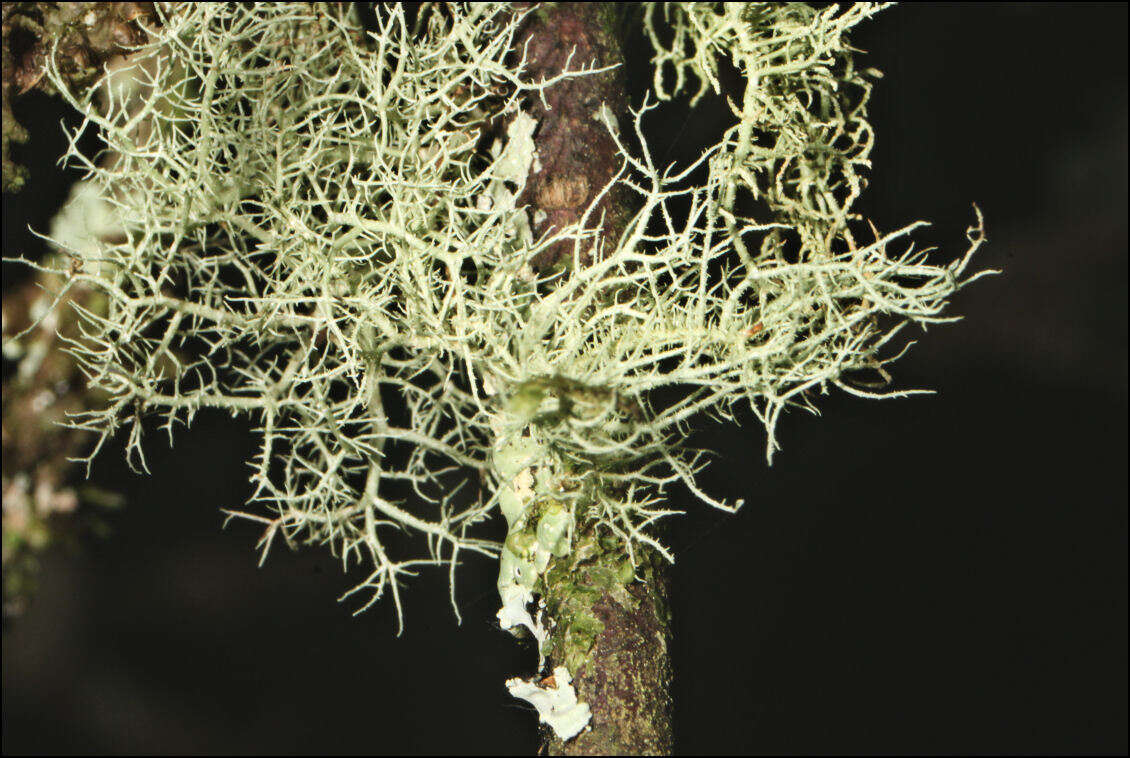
936 574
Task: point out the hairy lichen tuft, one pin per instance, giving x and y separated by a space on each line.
318 216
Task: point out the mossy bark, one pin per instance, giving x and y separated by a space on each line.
611 621
612 631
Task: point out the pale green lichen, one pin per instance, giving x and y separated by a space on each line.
84 221
555 701
538 529
312 224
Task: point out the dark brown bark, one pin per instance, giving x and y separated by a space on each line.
576 154
84 37
611 629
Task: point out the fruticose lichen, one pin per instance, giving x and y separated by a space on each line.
319 215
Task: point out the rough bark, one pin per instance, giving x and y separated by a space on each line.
612 628
84 37
624 673
576 153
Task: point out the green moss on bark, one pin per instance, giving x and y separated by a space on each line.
612 631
